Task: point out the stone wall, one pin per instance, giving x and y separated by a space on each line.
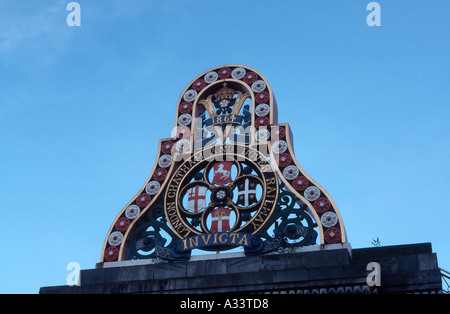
404 269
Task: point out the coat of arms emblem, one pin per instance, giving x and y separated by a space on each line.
222 172
220 218
227 178
196 198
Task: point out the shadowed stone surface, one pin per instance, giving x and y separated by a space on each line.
404 269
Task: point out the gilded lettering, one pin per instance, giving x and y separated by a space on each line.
243 240
186 233
270 190
207 239
178 225
221 238
257 221
266 168
193 242
170 207
233 237
172 191
192 163
178 219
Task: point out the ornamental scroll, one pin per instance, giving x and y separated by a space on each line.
228 178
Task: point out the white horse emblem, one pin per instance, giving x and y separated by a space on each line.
225 173
222 172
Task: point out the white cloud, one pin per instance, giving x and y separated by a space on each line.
29 26
36 30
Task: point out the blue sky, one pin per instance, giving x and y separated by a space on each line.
82 110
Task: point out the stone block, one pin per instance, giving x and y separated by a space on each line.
404 269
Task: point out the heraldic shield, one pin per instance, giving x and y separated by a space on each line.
227 179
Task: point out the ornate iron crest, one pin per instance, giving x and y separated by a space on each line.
227 178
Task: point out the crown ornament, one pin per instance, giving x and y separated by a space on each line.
225 92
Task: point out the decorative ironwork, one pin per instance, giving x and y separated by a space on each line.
291 222
211 194
227 178
445 275
151 234
291 226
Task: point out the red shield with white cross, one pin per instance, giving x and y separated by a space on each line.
222 172
220 218
196 198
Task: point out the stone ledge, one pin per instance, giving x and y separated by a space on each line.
404 269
